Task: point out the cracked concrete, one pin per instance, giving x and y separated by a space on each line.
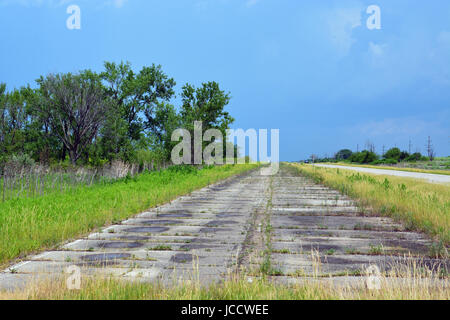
285 226
324 233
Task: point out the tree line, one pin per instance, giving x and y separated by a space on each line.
90 118
369 156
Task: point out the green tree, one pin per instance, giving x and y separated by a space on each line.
40 143
76 106
3 122
417 156
137 94
205 104
114 142
403 156
161 126
13 120
393 153
363 157
343 154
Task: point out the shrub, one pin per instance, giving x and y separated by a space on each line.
414 157
184 169
390 161
393 153
343 154
364 157
21 160
403 155
17 163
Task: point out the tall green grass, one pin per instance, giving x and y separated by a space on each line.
32 224
32 185
239 289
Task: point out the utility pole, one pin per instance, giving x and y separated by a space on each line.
430 149
410 146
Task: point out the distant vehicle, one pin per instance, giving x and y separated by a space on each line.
306 161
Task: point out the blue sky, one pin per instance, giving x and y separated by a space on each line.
309 68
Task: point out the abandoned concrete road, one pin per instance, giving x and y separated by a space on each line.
283 225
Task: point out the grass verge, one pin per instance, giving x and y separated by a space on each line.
242 289
32 224
419 205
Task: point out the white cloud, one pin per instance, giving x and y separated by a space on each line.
117 3
377 54
377 49
341 23
251 3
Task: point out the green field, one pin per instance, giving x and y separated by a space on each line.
33 224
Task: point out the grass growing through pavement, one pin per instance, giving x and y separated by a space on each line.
32 224
419 205
242 289
432 171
